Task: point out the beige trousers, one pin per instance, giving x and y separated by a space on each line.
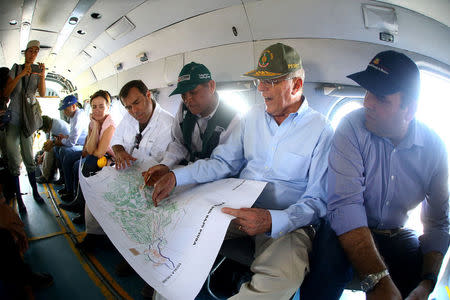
48 165
280 265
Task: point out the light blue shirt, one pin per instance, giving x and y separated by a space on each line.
374 184
291 157
59 127
78 129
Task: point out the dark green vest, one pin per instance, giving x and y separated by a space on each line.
210 138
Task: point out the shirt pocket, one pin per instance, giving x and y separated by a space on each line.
291 166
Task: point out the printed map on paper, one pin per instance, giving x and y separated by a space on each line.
172 246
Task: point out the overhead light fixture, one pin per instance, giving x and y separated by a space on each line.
25 28
341 91
24 34
13 22
73 20
81 32
119 67
142 57
82 7
96 16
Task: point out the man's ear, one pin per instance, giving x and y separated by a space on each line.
212 86
148 95
298 85
411 110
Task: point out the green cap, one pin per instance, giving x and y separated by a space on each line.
275 61
190 76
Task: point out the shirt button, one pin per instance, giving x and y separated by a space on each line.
387 203
281 232
395 150
392 177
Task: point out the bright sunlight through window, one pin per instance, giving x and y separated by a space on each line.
235 100
343 110
434 104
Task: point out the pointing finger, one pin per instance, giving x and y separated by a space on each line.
231 211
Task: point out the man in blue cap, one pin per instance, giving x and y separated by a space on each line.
382 164
201 123
69 147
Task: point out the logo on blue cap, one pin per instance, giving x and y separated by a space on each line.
68 101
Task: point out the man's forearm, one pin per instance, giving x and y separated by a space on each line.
11 85
432 262
360 248
42 87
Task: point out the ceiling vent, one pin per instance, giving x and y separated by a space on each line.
380 17
120 28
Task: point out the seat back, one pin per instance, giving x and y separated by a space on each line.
240 249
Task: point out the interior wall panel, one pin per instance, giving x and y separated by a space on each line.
215 29
110 84
226 63
150 73
343 19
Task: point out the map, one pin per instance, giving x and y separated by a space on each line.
172 246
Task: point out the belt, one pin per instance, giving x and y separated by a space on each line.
386 232
310 231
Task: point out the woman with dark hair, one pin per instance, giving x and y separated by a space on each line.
97 145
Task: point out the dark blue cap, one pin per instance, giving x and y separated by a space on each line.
68 101
389 72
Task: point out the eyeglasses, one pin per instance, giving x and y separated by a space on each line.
137 140
271 82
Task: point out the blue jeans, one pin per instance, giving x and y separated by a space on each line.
67 156
331 270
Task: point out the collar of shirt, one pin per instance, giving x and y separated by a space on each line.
151 122
75 115
211 114
412 137
301 111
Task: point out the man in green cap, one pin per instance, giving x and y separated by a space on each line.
285 143
201 123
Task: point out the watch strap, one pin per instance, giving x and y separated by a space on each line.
371 280
431 277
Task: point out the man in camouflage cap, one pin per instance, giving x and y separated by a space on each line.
284 143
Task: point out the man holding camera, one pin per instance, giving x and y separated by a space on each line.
23 80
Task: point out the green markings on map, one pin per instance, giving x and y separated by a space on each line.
142 222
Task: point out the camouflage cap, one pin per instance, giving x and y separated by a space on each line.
275 61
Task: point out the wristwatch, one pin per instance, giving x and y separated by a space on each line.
371 280
431 277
